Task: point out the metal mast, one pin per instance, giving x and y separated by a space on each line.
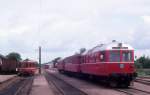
39 59
39 37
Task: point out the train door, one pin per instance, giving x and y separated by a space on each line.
127 61
114 59
102 58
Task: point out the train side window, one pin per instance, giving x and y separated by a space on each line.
102 56
83 61
26 65
87 59
97 57
94 58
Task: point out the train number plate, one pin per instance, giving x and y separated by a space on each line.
121 66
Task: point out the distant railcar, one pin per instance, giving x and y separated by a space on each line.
46 66
112 62
27 67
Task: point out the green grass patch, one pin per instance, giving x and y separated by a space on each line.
143 72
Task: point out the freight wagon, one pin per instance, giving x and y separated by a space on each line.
8 65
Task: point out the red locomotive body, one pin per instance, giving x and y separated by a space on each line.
27 67
113 62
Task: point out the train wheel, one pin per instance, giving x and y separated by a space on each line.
124 85
113 84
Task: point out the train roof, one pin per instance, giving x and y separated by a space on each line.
30 61
114 45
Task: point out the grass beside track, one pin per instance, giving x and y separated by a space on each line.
143 72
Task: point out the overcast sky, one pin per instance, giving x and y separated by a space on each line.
62 27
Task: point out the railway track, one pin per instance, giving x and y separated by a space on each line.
61 87
19 87
141 80
8 82
146 77
133 91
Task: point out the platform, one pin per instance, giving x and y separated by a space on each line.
4 78
40 86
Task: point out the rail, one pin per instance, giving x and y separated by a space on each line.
19 87
133 91
62 87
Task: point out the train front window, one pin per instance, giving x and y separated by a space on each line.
114 56
126 56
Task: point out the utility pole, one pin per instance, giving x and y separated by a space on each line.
39 59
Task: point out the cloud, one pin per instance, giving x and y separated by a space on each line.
63 27
146 19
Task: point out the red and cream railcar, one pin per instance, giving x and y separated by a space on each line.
27 67
46 66
113 62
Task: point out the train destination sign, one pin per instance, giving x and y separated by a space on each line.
119 47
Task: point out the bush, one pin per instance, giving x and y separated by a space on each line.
143 62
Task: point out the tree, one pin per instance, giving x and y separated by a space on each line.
55 61
143 62
14 56
82 50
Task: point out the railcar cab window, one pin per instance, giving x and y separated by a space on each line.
126 56
114 56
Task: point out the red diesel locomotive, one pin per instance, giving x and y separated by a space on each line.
112 62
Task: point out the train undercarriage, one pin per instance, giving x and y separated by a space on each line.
113 80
